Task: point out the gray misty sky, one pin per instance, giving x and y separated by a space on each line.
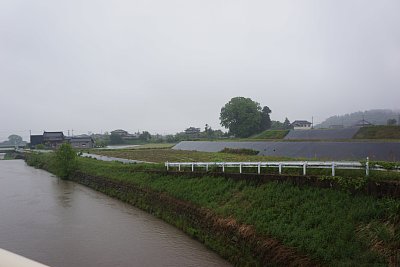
162 66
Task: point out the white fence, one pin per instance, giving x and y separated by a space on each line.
351 165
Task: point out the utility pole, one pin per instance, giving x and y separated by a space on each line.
72 132
68 133
312 122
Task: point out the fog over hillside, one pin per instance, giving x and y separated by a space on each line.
374 116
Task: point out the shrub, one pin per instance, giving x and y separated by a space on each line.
241 151
66 162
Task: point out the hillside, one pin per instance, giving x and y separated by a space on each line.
378 132
271 134
374 116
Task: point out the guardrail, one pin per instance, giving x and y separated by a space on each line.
349 165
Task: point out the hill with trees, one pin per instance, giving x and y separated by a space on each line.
373 116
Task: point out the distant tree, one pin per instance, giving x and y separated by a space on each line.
66 162
14 139
391 122
116 139
286 124
242 116
277 125
170 138
145 136
265 119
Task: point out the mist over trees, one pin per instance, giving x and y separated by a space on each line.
14 140
374 116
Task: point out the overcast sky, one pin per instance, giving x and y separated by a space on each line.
162 66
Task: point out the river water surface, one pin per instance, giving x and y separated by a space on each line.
61 223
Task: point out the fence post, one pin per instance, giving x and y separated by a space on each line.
333 168
367 167
206 167
167 164
305 168
259 167
179 167
223 167
280 167
192 167
240 168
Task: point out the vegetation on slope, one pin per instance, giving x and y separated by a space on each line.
334 227
171 155
374 116
271 134
378 132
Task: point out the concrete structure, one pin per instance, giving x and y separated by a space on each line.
328 150
301 125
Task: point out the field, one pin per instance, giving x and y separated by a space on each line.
331 226
170 155
165 154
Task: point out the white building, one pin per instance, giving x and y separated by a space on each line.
302 125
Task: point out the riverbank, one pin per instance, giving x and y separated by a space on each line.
309 225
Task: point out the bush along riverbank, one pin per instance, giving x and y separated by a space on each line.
266 224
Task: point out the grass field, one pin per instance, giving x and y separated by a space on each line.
378 132
170 155
270 134
165 154
332 226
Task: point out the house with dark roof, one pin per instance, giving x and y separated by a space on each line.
192 131
301 125
53 139
81 142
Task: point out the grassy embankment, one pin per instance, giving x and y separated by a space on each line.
378 132
270 134
164 155
331 226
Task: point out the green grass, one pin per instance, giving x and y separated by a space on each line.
271 134
163 155
170 155
332 226
378 132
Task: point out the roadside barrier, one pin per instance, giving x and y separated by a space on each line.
348 165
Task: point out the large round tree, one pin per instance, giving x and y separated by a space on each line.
242 116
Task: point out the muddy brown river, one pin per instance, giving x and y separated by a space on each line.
61 223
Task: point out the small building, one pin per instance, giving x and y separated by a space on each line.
120 132
82 142
363 122
125 135
53 139
192 131
36 140
301 125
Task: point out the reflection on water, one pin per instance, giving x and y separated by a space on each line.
61 223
